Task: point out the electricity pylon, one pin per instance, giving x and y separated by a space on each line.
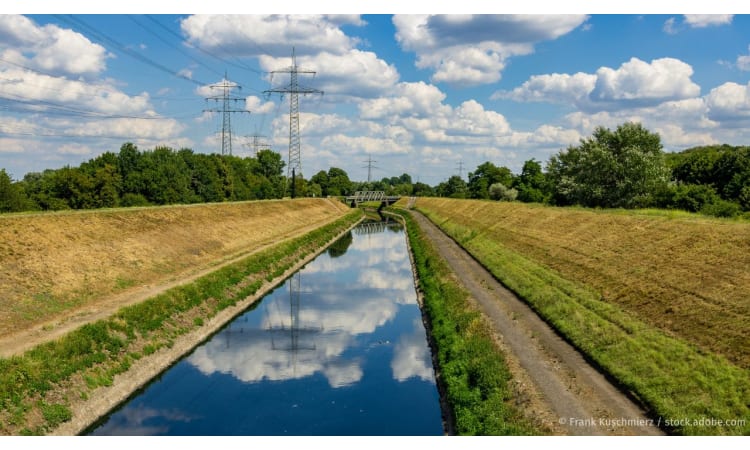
369 168
293 89
226 99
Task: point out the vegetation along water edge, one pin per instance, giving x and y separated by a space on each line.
472 371
590 279
44 390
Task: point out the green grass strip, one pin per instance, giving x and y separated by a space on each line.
98 350
689 391
472 368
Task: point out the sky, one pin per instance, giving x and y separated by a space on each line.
431 95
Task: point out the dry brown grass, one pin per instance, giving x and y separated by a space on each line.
55 263
688 276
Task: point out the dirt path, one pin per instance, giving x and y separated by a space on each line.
579 398
17 343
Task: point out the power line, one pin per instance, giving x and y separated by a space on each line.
239 64
27 106
227 99
102 38
294 89
158 36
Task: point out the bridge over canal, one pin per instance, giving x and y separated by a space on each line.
371 196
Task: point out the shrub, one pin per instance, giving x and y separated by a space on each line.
499 191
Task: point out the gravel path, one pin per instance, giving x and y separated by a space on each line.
575 395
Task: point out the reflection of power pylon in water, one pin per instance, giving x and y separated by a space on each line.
294 332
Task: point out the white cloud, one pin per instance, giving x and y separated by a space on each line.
257 34
345 19
473 49
480 64
257 106
743 61
75 149
39 90
707 20
634 83
364 144
636 80
729 103
49 48
669 26
556 88
125 128
353 73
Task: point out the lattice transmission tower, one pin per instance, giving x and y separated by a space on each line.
369 167
257 144
226 104
293 89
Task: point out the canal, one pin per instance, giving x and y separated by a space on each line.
338 349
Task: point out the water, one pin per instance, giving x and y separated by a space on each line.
337 349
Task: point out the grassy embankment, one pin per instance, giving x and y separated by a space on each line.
473 372
661 303
36 389
54 264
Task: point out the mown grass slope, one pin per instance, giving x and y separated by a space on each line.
662 303
42 388
53 263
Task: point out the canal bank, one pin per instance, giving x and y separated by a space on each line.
479 387
145 369
63 386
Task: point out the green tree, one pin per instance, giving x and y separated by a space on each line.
74 187
338 182
12 196
454 187
624 168
107 186
271 167
532 184
485 176
321 179
732 175
423 190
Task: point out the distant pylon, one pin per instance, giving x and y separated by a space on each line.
460 169
226 98
294 89
256 144
369 167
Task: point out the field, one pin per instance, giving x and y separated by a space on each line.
662 303
55 266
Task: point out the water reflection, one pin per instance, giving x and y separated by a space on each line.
342 336
411 358
341 245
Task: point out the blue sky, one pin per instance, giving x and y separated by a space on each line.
422 94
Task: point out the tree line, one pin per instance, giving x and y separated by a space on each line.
621 168
624 168
140 178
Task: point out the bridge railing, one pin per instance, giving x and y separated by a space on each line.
370 196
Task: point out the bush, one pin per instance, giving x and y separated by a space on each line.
694 197
722 208
130 199
499 191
